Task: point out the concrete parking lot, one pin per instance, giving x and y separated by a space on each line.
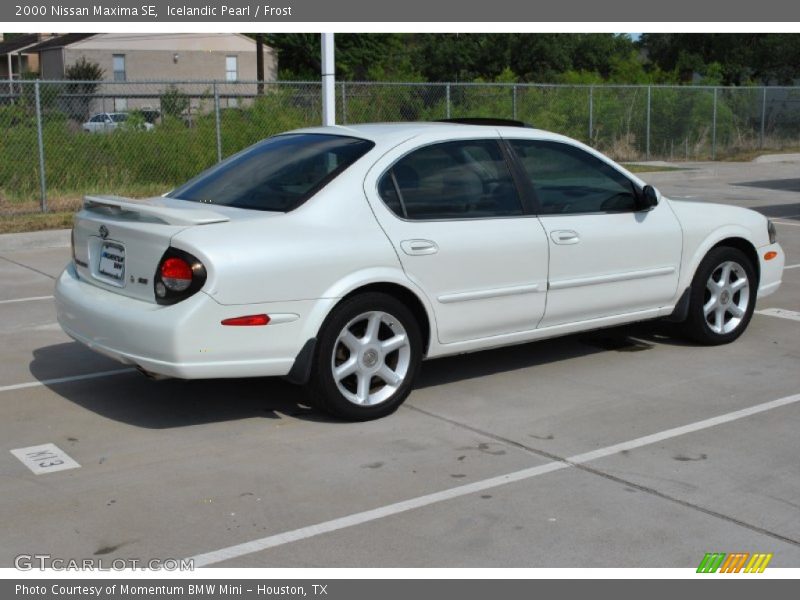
624 447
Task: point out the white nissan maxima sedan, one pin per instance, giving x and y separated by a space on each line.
341 257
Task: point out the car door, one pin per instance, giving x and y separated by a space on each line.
607 256
455 218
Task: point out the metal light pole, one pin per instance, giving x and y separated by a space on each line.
328 81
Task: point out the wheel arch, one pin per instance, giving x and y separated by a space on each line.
301 369
404 295
731 236
747 248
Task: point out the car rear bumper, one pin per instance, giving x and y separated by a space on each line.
184 340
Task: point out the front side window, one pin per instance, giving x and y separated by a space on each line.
277 174
119 67
568 180
452 180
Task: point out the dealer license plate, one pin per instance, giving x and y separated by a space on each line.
112 261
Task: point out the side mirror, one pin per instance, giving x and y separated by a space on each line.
649 198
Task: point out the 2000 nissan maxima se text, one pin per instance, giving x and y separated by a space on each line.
340 257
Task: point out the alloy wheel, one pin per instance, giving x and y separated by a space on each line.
371 358
727 297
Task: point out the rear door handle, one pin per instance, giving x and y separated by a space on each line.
419 247
565 236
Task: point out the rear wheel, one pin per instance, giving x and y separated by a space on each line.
723 296
366 359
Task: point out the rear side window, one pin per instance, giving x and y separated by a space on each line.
568 180
277 174
452 180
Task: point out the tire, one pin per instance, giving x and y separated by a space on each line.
373 378
720 310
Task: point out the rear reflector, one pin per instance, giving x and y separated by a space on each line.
770 255
248 320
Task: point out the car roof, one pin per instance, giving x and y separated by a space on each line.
399 131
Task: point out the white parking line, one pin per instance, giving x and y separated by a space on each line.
216 556
791 266
785 223
30 384
780 313
32 298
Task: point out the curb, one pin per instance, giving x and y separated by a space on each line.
777 158
34 240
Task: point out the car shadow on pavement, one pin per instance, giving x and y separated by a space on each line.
780 211
782 185
134 399
626 338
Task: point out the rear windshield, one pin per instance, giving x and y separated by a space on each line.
119 117
277 174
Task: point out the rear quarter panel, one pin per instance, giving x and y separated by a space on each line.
301 255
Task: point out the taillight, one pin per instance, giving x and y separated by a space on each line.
179 275
176 274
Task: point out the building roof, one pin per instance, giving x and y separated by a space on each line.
60 41
141 41
16 43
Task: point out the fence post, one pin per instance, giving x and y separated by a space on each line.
344 105
514 102
448 100
763 114
647 134
217 123
40 139
591 112
714 128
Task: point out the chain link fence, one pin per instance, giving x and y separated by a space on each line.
60 140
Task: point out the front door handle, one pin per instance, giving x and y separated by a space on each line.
565 236
419 247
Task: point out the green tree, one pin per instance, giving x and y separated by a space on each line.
460 56
86 76
174 103
85 71
543 57
358 56
743 57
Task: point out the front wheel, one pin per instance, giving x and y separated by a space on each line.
722 297
367 357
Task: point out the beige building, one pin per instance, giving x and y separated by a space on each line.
126 58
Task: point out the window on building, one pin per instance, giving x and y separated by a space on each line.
231 68
119 67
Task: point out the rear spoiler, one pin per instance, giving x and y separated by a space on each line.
152 208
